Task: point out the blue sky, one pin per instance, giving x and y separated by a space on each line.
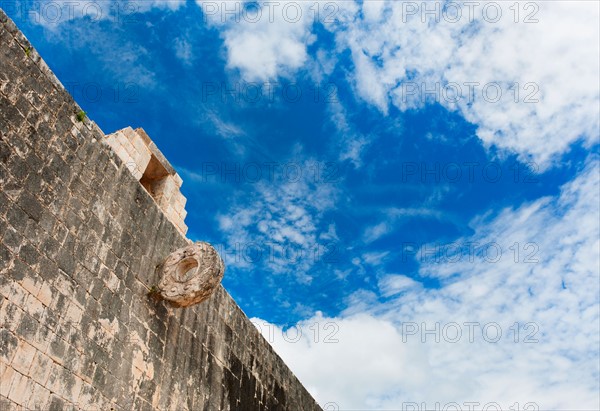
381 199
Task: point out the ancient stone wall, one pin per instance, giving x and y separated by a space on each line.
80 240
153 170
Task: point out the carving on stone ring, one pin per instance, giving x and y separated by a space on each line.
190 275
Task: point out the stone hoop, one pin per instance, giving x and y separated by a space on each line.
190 275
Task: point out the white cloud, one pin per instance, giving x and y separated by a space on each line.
264 40
183 50
379 364
397 56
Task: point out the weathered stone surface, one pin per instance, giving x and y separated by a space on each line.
190 274
148 165
80 239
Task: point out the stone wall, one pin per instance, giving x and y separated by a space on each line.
80 242
153 170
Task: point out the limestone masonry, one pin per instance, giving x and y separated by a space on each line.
86 220
151 168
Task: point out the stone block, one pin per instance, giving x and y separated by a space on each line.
23 357
39 398
40 368
21 389
9 346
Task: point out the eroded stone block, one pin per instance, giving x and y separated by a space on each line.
191 274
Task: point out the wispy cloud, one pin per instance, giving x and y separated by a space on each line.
392 284
406 58
284 215
183 50
349 143
394 216
223 128
550 359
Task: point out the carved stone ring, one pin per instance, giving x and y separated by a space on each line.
190 275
